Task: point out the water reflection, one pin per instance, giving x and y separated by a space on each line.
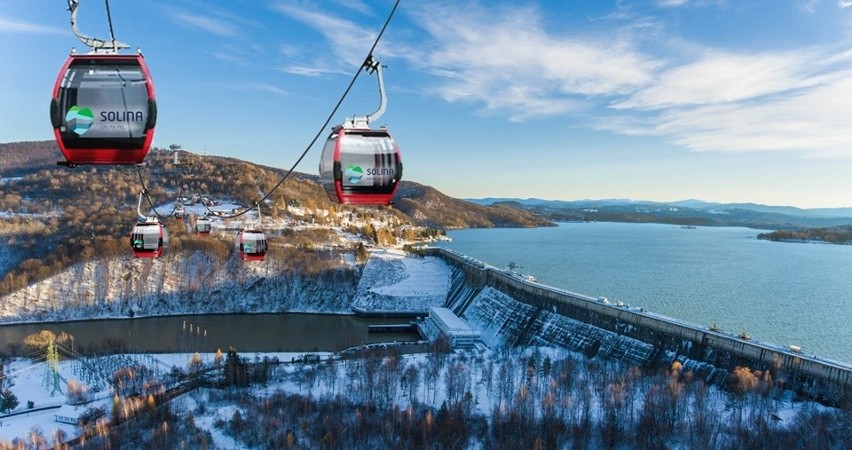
244 332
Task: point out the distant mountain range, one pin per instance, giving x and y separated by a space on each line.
684 212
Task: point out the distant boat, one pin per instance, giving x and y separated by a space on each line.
687 227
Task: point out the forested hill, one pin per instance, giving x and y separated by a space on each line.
680 213
19 158
428 206
219 177
834 235
52 216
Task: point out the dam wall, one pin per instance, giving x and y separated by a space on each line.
513 310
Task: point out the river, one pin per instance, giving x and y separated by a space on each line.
784 293
244 332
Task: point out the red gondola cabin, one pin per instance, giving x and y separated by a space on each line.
103 109
360 166
252 245
149 239
203 227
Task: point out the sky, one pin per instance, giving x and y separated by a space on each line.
718 100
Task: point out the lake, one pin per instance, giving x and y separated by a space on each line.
783 293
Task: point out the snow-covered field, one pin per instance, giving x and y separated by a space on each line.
31 381
494 384
393 281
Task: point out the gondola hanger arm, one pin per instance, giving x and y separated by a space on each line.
139 206
97 45
371 65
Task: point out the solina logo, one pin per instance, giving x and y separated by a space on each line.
354 174
79 120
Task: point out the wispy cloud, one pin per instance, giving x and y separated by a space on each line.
213 25
507 62
671 3
844 3
504 60
719 77
21 27
813 123
265 87
795 102
310 71
348 40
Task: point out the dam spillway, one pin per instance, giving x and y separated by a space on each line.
512 310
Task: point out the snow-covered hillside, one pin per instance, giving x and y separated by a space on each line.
394 282
181 283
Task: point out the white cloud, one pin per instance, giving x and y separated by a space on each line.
507 62
21 27
812 121
844 3
504 60
808 6
671 3
267 88
721 78
310 71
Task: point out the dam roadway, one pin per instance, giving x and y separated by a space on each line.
482 295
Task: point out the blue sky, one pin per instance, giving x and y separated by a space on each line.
729 101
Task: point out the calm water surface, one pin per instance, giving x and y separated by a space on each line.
785 293
245 332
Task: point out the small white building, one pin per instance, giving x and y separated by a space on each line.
457 332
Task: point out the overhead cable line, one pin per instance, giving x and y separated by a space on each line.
366 65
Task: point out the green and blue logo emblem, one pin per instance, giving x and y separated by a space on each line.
354 174
79 120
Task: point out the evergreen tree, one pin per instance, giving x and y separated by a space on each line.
8 401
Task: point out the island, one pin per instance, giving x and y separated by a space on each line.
832 235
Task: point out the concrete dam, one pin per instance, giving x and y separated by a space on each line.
511 310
